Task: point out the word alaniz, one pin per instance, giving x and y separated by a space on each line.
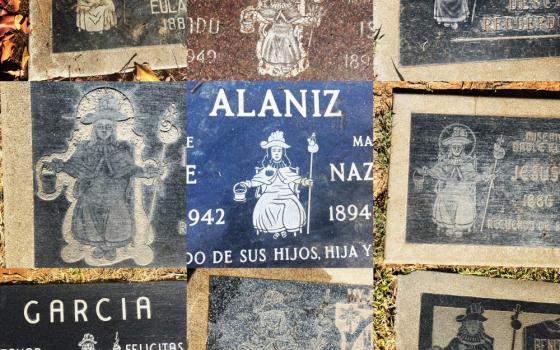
314 100
78 311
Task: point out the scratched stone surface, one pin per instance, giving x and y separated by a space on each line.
451 31
282 39
113 316
256 314
483 180
274 185
108 174
457 322
84 25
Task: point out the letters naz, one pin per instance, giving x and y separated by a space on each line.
270 104
57 312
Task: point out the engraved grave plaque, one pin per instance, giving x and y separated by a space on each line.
438 311
279 174
106 172
468 39
204 302
479 177
280 39
92 37
288 315
114 316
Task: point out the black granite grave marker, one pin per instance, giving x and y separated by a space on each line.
109 174
452 31
113 316
83 25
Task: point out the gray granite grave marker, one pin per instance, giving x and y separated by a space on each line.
438 311
105 166
288 315
474 179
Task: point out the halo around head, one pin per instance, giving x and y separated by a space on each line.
104 103
457 133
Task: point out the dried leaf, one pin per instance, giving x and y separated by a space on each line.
25 26
143 72
15 73
24 59
7 23
7 48
12 5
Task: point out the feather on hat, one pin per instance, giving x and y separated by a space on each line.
276 139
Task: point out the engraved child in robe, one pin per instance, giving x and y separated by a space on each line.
278 210
272 328
104 169
471 334
454 210
451 12
280 47
95 15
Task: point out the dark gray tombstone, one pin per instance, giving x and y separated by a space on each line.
82 38
468 39
107 167
437 311
115 316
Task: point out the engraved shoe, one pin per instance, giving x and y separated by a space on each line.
98 253
111 254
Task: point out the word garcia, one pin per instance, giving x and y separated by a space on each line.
79 311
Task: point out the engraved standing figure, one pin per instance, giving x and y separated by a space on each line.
280 48
106 221
95 15
456 175
451 12
278 210
471 335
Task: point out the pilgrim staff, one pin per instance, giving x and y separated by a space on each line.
312 148
168 135
499 153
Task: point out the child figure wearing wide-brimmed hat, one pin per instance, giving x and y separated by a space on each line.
278 210
88 342
454 210
104 168
471 335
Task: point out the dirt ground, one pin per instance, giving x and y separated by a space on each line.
385 275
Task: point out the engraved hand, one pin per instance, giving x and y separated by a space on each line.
152 170
57 164
307 182
247 184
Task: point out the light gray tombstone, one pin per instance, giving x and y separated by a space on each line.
474 181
